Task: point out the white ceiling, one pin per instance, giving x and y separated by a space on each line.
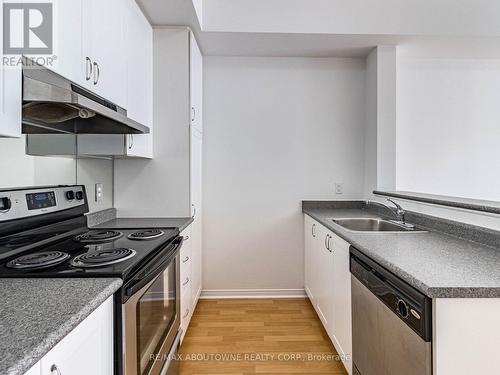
182 13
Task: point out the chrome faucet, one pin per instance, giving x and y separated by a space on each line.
399 212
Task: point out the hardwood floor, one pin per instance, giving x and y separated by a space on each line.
257 336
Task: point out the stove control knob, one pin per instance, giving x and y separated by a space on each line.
79 195
70 195
5 204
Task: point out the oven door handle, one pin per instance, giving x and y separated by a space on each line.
171 353
138 282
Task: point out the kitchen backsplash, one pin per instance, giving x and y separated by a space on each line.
19 169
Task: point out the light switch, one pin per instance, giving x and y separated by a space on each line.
99 192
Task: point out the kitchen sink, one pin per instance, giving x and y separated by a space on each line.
372 225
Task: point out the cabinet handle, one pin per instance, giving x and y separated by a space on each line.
186 238
313 227
54 370
194 210
193 114
186 314
88 68
185 260
327 243
186 282
131 143
98 71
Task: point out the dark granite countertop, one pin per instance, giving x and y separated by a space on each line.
156 222
437 264
35 314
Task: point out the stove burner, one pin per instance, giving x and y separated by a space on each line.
38 260
147 234
94 236
103 257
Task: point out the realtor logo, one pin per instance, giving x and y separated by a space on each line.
27 28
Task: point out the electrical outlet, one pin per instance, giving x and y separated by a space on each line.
339 188
99 192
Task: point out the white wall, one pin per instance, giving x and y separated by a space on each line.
276 131
448 127
380 120
370 178
386 117
19 169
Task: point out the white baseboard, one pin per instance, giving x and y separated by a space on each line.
253 293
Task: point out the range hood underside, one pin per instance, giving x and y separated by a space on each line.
95 125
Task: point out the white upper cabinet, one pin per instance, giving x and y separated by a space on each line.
90 47
105 49
139 54
10 95
196 84
68 40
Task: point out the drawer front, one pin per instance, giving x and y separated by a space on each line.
185 267
186 304
186 255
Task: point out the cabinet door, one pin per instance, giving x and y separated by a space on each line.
310 248
139 51
186 279
104 44
35 370
196 84
325 278
197 210
88 349
10 95
68 41
341 325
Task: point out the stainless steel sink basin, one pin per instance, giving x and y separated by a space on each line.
372 225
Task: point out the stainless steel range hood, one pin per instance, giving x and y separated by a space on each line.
53 104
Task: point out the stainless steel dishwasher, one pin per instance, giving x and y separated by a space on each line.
391 322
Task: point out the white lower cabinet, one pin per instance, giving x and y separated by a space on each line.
190 273
186 289
35 370
196 207
324 267
341 328
328 284
310 259
87 349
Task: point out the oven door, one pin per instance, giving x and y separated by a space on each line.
151 317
